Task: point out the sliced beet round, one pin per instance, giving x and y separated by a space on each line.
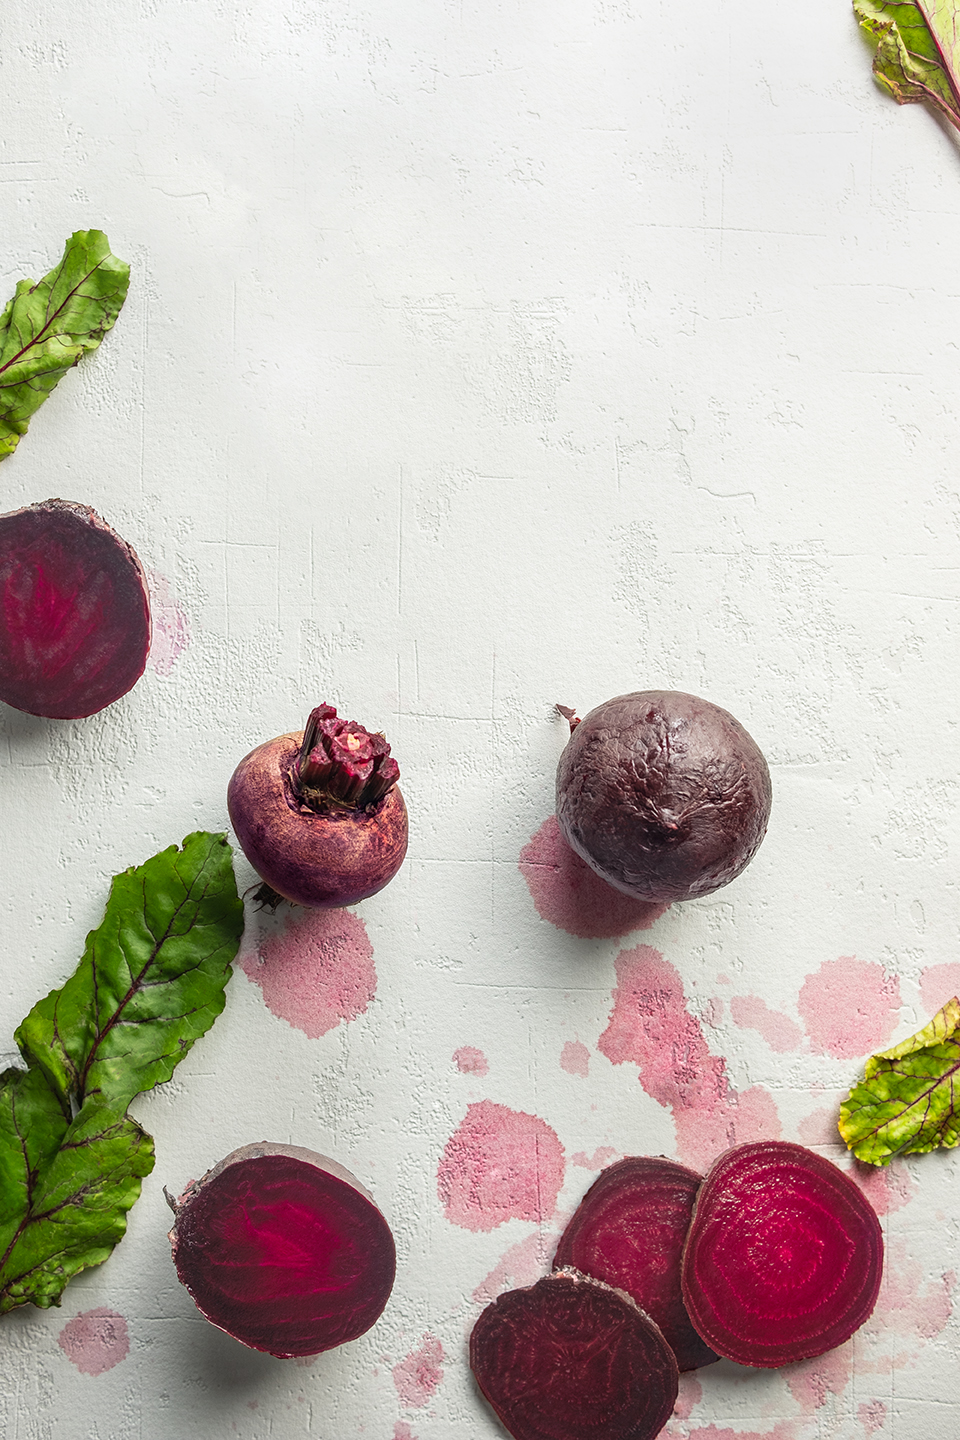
571 1357
629 1231
284 1250
74 611
784 1255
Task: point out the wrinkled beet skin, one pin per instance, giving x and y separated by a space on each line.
784 1255
570 1357
284 1250
628 1231
74 612
321 861
665 796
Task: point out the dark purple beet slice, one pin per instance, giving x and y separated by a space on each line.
783 1257
74 611
629 1231
664 795
571 1358
284 1250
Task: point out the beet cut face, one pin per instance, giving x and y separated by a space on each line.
629 1231
284 1250
784 1255
571 1359
664 795
74 612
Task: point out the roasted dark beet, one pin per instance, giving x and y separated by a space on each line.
783 1257
570 1357
629 1231
74 611
319 815
284 1250
664 795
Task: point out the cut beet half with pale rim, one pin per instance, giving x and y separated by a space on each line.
784 1255
571 1357
74 611
629 1231
284 1250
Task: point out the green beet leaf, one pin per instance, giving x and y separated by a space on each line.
909 1099
918 51
150 983
50 323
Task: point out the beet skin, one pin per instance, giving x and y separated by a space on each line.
74 611
665 796
284 1250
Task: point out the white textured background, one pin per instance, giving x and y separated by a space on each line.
478 357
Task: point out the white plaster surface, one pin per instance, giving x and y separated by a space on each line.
478 357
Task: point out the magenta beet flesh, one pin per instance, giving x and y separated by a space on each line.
629 1231
284 1250
319 814
74 612
783 1258
570 1358
664 795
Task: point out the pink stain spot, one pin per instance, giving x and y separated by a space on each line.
712 1013
95 1340
500 1165
575 1058
887 1189
568 894
938 984
418 1375
785 1430
691 1393
849 1007
600 1158
402 1431
650 1026
779 1031
470 1061
170 633
317 971
872 1415
519 1266
820 1127
811 1382
909 1304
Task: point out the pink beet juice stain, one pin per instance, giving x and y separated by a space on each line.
317 972
568 894
575 1058
651 1027
938 984
170 633
95 1340
470 1061
419 1374
849 1007
780 1032
500 1165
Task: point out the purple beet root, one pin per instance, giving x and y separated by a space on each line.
664 795
570 1357
74 612
284 1250
783 1257
319 814
629 1231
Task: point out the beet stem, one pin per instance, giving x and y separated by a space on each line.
341 765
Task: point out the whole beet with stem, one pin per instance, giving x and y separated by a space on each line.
319 814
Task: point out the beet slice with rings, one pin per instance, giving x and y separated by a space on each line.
74 611
629 1231
284 1250
784 1255
571 1356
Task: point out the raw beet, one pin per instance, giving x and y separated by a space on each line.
284 1250
783 1257
629 1231
664 795
74 611
571 1357
319 815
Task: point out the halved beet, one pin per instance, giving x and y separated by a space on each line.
573 1357
74 611
284 1250
664 795
784 1255
629 1231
